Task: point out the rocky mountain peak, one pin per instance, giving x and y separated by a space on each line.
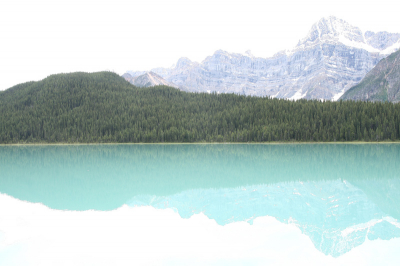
183 62
332 29
127 76
219 54
147 79
248 53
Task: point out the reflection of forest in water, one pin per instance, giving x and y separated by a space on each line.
106 176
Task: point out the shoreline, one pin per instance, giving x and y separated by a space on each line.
203 143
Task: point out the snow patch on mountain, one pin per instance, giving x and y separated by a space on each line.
391 49
298 95
337 96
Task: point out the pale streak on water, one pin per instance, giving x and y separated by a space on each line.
330 202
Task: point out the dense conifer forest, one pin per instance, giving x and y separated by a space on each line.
103 107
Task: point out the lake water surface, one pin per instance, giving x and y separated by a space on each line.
206 204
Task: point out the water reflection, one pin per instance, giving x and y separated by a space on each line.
338 195
336 215
104 177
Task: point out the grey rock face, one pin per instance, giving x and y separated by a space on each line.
381 40
333 57
382 83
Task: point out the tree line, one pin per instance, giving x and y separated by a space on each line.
103 107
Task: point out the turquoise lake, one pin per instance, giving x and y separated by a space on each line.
338 195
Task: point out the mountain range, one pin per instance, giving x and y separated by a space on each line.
332 58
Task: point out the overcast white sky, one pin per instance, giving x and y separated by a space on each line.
40 38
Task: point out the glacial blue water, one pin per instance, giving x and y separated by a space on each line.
339 195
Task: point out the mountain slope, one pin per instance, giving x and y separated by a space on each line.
382 83
333 57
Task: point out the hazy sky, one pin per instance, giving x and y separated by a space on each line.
40 38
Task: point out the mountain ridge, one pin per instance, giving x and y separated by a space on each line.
332 58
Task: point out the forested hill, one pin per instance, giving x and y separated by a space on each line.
103 107
382 83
